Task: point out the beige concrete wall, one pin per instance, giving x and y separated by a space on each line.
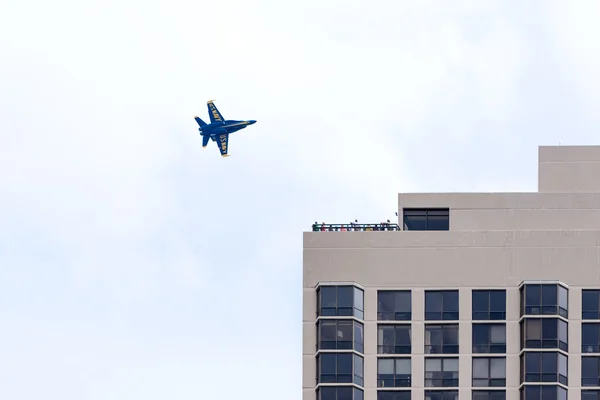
511 211
569 169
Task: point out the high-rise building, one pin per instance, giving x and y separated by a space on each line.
470 296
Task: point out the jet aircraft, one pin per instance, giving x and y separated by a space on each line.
219 128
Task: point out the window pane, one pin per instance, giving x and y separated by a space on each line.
480 300
328 296
480 368
498 333
433 301
533 295
450 299
433 364
403 302
385 302
403 366
562 364
328 363
345 296
358 299
498 300
498 368
549 295
450 364
385 366
562 297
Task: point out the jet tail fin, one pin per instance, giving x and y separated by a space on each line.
200 122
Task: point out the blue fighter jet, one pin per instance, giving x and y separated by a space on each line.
219 129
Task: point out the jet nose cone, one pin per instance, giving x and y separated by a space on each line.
252 122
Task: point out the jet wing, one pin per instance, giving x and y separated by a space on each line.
223 143
213 112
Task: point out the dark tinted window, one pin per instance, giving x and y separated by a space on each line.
590 394
489 304
441 395
340 368
394 395
421 219
590 371
489 395
339 393
544 333
489 338
543 393
545 367
340 335
393 372
394 305
441 339
550 299
590 338
341 301
590 307
441 305
393 339
441 372
489 372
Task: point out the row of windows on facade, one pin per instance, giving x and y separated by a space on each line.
443 305
536 333
536 367
529 392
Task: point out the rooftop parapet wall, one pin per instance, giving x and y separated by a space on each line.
569 169
511 211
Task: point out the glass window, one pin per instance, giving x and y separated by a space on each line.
340 335
359 308
590 307
441 372
358 370
340 368
441 395
394 305
545 367
489 304
441 339
394 395
544 300
489 395
340 301
544 333
394 339
489 372
339 393
590 338
421 219
590 394
441 305
590 371
393 372
489 338
543 393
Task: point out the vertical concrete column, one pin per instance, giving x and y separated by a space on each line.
513 339
465 347
418 342
370 333
574 332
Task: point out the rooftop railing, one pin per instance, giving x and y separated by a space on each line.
384 226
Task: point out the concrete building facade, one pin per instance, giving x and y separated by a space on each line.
471 296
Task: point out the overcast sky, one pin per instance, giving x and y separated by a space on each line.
134 264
